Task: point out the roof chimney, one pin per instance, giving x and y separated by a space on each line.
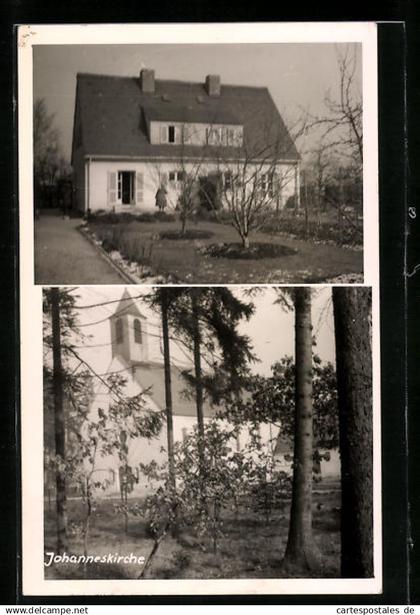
147 80
213 85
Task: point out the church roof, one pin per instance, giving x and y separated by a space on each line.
151 375
127 305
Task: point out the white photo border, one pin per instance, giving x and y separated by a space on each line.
29 36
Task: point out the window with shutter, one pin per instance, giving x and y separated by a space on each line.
186 134
139 188
164 134
112 187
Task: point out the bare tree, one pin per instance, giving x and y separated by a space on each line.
188 192
50 165
342 125
251 191
182 182
319 170
247 186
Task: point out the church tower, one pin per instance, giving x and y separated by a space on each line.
129 332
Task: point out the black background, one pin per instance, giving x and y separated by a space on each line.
398 182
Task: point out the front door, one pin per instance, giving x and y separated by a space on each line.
126 187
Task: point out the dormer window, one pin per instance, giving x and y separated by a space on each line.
169 133
195 133
215 135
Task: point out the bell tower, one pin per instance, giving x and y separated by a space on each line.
129 331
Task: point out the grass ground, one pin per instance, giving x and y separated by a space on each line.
308 262
251 547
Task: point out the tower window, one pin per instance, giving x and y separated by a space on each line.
137 331
119 334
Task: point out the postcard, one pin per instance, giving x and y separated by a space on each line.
199 309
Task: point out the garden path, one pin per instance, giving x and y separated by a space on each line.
64 256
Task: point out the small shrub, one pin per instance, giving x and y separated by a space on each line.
103 217
255 252
340 234
202 214
291 202
189 234
111 217
131 246
266 496
205 215
110 237
163 216
147 216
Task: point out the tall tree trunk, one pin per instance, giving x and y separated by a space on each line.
195 298
183 223
168 394
300 550
306 206
59 422
199 398
352 316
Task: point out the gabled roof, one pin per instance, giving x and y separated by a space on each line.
127 305
151 375
112 111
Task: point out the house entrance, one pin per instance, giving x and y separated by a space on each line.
209 191
126 187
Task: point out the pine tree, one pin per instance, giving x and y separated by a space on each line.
352 317
59 422
300 550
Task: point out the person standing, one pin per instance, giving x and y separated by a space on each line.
161 200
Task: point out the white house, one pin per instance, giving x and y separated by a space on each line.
132 135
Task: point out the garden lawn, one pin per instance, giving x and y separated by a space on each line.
182 259
251 546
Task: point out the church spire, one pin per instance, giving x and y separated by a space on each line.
129 331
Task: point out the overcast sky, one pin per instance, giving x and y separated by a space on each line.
297 75
271 329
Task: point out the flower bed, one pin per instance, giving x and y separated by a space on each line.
255 252
344 234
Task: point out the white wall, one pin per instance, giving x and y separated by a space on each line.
331 468
153 174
